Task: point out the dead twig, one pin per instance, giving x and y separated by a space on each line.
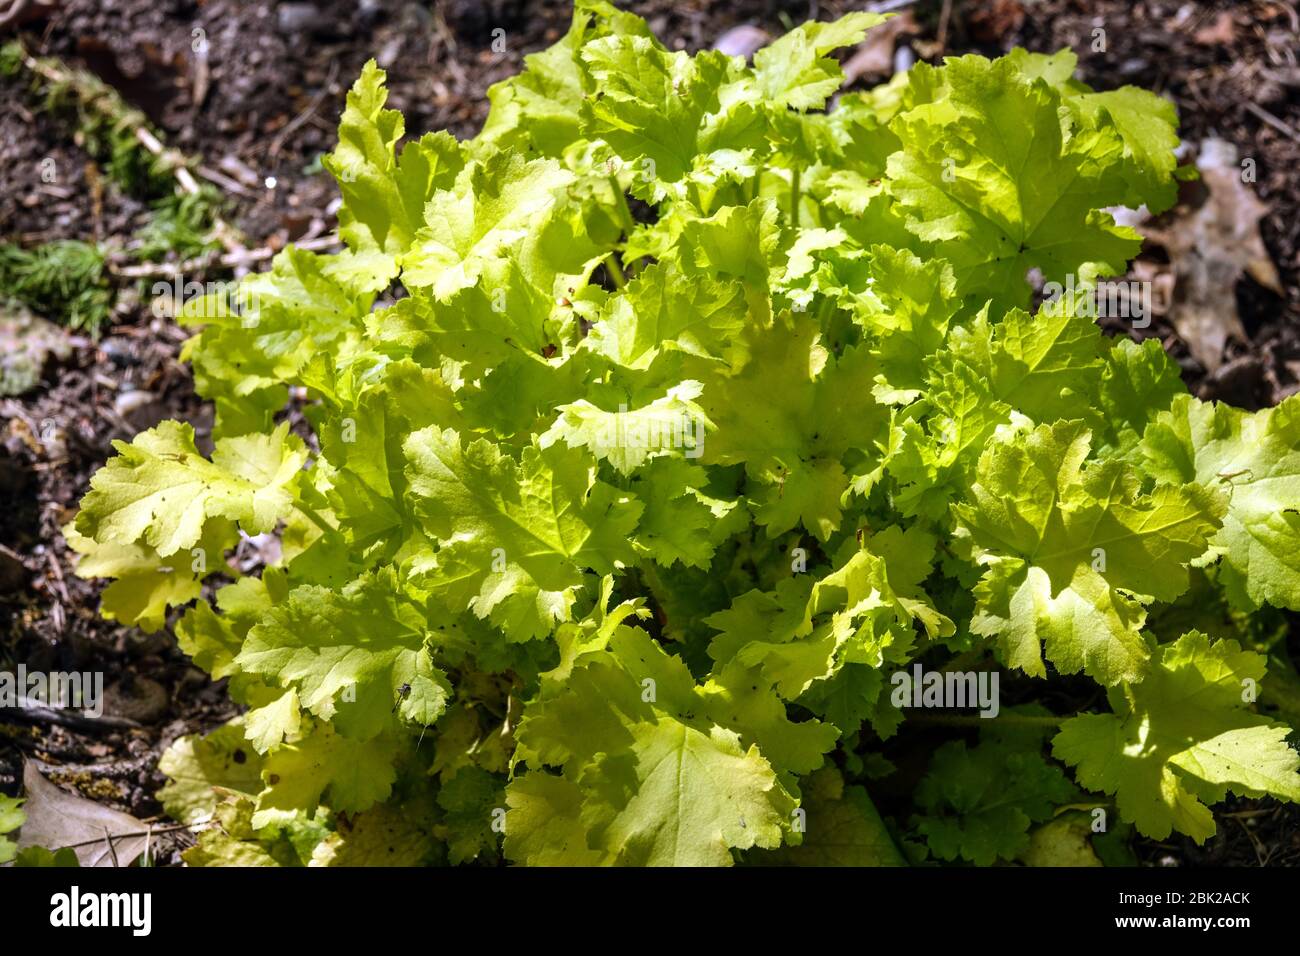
33 712
231 260
307 113
114 770
1271 120
941 36
57 574
9 15
127 836
1262 853
225 182
173 160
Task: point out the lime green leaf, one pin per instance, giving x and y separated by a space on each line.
1071 547
997 203
662 784
1182 739
650 106
795 71
383 197
160 490
539 108
628 437
351 775
1137 383
356 656
1063 841
1257 459
386 835
145 585
678 518
693 797
544 823
199 767
796 418
493 208
906 303
1043 366
660 311
515 535
11 818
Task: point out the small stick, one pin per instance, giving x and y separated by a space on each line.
38 713
178 169
112 850
238 257
126 836
58 577
13 12
224 181
174 161
944 15
307 113
1272 120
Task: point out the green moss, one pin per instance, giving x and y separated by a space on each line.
64 280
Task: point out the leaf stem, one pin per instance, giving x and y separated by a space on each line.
794 197
316 519
620 200
615 270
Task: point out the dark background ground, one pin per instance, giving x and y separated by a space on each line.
264 101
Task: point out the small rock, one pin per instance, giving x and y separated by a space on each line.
118 351
26 342
904 58
144 702
295 18
744 40
131 401
140 409
369 12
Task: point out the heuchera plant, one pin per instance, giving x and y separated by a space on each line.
631 448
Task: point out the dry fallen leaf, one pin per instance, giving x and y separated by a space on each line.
1210 247
1219 33
744 40
57 819
875 55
